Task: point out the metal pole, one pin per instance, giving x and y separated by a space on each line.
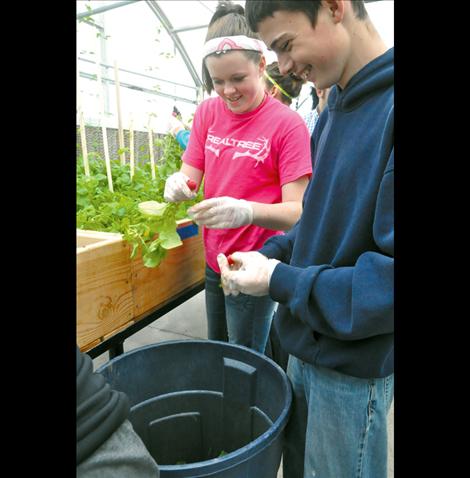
104 9
139 88
187 29
139 74
104 59
176 40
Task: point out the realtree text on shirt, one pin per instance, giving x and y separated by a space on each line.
246 156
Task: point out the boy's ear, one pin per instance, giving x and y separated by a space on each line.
336 9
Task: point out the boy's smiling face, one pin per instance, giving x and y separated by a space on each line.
316 54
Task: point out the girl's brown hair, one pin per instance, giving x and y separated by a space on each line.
228 20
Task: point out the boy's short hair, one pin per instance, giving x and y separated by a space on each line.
257 10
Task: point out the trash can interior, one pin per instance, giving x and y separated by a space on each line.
193 401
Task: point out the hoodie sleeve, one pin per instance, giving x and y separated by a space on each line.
100 410
347 303
280 246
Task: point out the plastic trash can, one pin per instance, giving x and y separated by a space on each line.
205 408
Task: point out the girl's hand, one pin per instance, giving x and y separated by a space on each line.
177 189
222 212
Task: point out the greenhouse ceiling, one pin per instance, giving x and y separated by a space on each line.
155 48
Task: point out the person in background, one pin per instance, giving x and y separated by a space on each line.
107 445
333 272
282 87
179 130
254 155
319 101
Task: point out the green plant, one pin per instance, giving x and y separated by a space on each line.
99 209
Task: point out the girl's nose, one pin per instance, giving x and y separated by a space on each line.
229 89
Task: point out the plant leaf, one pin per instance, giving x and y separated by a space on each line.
169 239
152 208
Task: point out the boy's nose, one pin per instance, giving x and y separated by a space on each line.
286 65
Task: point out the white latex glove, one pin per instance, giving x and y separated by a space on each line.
250 274
221 213
174 125
176 189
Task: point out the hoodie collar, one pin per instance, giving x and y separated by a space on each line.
376 75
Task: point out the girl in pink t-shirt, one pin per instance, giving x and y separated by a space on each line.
254 154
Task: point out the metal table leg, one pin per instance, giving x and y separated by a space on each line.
116 349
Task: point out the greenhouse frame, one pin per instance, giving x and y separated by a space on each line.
142 259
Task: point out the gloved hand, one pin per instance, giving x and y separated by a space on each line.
174 125
250 274
222 212
176 189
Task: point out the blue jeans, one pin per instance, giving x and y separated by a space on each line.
338 424
242 319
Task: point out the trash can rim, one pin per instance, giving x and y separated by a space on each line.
252 448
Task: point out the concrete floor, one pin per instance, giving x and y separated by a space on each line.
188 321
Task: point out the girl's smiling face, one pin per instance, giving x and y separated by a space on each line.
237 80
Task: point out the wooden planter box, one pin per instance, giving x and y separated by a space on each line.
114 291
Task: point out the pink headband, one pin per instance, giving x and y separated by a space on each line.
238 42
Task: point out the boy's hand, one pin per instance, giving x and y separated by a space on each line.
250 274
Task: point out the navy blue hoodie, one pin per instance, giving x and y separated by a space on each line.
335 283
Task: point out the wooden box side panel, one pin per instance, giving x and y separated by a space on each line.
86 238
104 292
182 267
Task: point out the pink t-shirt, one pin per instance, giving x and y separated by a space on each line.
246 156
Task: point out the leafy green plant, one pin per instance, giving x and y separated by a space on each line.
99 209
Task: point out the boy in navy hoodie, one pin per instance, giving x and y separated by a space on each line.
332 274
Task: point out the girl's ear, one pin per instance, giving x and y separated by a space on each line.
262 65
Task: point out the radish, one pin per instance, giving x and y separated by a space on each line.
191 184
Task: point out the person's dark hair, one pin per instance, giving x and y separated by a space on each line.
257 10
228 20
289 84
315 99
